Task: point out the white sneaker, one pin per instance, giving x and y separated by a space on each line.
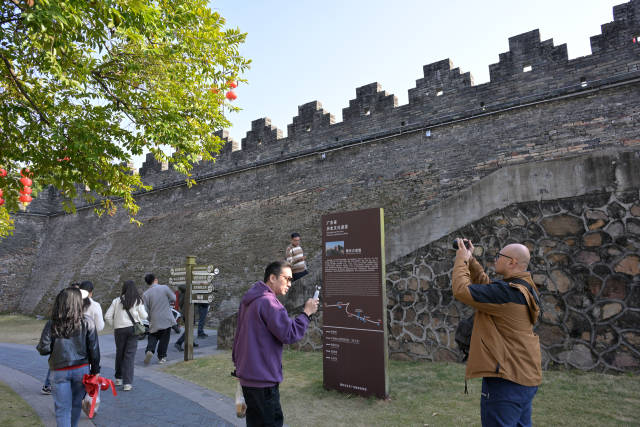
127 387
162 361
147 357
118 381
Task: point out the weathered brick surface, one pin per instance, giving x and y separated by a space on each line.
405 159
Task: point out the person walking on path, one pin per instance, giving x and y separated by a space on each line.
91 307
127 306
71 340
203 309
263 327
504 350
295 258
158 300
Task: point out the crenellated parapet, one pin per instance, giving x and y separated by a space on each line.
528 54
311 117
531 72
261 135
439 77
152 165
370 99
621 31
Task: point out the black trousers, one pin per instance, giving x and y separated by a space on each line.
263 406
126 345
161 339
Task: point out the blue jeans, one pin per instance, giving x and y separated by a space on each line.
505 403
203 309
47 380
68 392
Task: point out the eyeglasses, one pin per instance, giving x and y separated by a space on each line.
498 255
287 278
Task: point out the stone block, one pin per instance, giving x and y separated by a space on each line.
629 265
560 281
562 225
579 356
610 310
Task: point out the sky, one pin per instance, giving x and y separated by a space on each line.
306 50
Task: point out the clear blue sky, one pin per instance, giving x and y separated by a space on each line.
308 50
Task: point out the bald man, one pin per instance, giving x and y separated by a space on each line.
504 351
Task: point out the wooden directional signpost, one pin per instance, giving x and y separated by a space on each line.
199 289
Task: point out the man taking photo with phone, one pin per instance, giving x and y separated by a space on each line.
504 351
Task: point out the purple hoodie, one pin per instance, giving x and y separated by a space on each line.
263 327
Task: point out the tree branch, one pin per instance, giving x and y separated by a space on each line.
22 90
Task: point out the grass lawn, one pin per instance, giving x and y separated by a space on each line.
14 411
425 393
19 329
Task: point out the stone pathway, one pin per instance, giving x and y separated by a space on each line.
157 398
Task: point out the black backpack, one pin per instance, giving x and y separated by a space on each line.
463 336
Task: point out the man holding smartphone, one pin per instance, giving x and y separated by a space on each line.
504 351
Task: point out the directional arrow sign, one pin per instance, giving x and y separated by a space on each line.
201 289
201 298
202 268
178 270
177 281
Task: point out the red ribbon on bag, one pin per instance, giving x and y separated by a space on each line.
93 384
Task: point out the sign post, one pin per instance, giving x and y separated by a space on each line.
354 347
199 289
188 321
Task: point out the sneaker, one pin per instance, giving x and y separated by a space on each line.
178 347
127 387
118 381
46 389
162 361
195 344
202 335
147 357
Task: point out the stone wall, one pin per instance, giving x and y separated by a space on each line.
407 159
585 261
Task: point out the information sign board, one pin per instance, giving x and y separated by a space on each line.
355 355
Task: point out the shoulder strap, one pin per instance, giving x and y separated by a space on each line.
129 313
529 288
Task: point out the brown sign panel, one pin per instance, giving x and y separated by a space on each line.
355 355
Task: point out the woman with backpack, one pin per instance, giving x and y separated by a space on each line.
71 340
123 312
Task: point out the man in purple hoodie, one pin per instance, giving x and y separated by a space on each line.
263 327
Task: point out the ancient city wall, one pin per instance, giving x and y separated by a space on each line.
406 159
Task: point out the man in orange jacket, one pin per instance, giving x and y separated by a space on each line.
504 350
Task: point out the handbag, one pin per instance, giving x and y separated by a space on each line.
139 330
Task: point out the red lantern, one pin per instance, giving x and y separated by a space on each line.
25 172
3 172
1 201
25 190
213 90
232 84
25 198
0 192
231 95
26 181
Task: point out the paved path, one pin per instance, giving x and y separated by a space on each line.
157 398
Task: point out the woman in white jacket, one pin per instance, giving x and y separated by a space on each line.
126 341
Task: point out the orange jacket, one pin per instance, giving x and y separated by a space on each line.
502 342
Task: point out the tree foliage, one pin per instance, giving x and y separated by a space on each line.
85 85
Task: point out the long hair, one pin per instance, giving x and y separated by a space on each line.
67 313
129 295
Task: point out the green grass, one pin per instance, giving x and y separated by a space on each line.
425 393
14 411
